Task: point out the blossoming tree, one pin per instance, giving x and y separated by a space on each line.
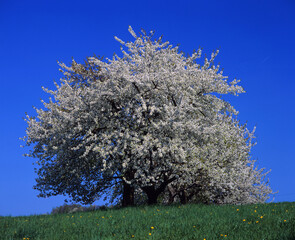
145 123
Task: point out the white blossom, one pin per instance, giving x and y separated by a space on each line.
159 108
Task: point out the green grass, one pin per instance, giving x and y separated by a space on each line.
193 221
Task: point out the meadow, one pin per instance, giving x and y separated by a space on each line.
268 221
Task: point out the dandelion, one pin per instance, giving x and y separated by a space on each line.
261 217
150 234
221 235
256 221
237 209
225 235
285 220
152 227
194 226
102 217
244 220
254 210
132 235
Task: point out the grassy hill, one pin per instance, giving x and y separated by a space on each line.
271 221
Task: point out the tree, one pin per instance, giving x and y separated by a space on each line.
138 123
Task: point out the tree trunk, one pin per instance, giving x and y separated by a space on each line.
153 199
172 194
183 197
152 194
128 191
128 195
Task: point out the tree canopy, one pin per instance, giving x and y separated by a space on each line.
147 122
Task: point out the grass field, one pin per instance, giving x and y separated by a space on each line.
274 221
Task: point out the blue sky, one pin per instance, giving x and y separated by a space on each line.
256 42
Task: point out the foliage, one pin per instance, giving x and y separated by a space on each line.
67 209
72 208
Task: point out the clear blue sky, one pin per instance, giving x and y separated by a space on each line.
256 42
